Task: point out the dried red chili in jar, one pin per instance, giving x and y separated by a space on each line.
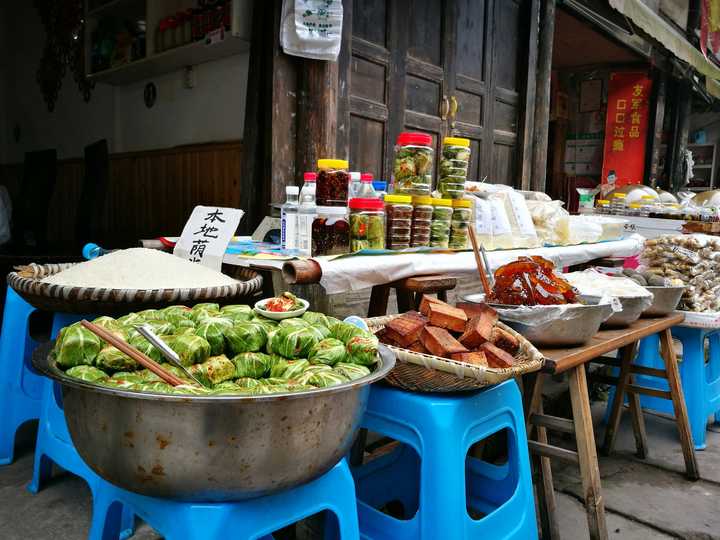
332 182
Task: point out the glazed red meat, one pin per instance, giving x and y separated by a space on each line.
531 282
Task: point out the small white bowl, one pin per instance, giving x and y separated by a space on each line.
280 315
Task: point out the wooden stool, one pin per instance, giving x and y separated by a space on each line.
409 292
573 362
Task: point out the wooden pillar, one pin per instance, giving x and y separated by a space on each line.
681 129
317 113
542 100
656 129
525 156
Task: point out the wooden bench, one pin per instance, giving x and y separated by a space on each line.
573 362
409 292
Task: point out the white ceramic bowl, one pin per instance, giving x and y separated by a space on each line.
280 315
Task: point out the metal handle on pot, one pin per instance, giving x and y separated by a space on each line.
147 332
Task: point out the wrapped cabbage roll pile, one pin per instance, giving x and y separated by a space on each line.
230 349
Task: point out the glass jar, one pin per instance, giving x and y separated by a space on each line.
421 221
602 206
412 167
461 219
179 28
367 224
331 231
169 34
453 167
440 226
332 182
398 215
617 204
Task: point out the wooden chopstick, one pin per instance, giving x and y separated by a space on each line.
133 353
480 264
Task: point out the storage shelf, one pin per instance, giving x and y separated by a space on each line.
171 60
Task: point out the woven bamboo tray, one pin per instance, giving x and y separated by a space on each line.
419 372
26 281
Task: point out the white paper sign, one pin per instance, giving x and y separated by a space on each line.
207 234
522 214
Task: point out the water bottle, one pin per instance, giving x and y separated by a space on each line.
380 187
366 190
307 211
354 186
289 220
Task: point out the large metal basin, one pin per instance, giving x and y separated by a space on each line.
212 448
632 307
665 300
578 325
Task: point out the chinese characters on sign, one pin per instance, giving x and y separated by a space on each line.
626 127
207 234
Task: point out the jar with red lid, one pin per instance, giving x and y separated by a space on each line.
330 231
398 216
332 182
367 224
412 167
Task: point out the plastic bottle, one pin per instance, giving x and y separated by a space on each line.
380 187
289 220
307 211
366 189
354 186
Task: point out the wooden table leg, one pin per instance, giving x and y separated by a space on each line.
638 420
547 506
379 296
589 470
627 354
678 398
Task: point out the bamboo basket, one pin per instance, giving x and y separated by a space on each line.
27 282
420 372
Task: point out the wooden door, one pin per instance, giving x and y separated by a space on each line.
402 63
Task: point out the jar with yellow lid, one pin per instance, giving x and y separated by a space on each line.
602 206
333 179
461 218
440 226
617 203
398 218
421 221
453 167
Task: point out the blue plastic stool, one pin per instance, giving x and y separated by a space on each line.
254 519
700 380
20 385
54 444
441 429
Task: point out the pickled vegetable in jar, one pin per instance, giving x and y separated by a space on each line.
421 221
367 224
331 231
398 215
440 226
461 218
332 182
413 164
453 167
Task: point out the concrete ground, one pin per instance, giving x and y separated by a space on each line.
644 499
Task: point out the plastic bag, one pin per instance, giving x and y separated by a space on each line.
312 28
548 217
579 230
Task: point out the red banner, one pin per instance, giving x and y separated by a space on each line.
626 127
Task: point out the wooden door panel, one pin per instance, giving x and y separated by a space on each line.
471 36
368 79
425 24
367 150
503 164
369 17
507 24
422 95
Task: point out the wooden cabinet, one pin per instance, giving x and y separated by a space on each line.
704 156
443 67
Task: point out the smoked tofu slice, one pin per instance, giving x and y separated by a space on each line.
504 340
406 328
445 316
496 357
417 347
478 330
426 301
439 342
477 358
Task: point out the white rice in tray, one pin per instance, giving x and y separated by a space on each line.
139 268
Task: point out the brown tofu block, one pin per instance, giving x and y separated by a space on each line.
505 340
477 358
417 347
406 328
479 330
496 357
445 316
383 337
440 342
426 301
473 309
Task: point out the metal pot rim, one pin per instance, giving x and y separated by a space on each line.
44 364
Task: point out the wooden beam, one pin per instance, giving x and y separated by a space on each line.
654 392
683 101
542 99
656 128
550 451
525 155
553 423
